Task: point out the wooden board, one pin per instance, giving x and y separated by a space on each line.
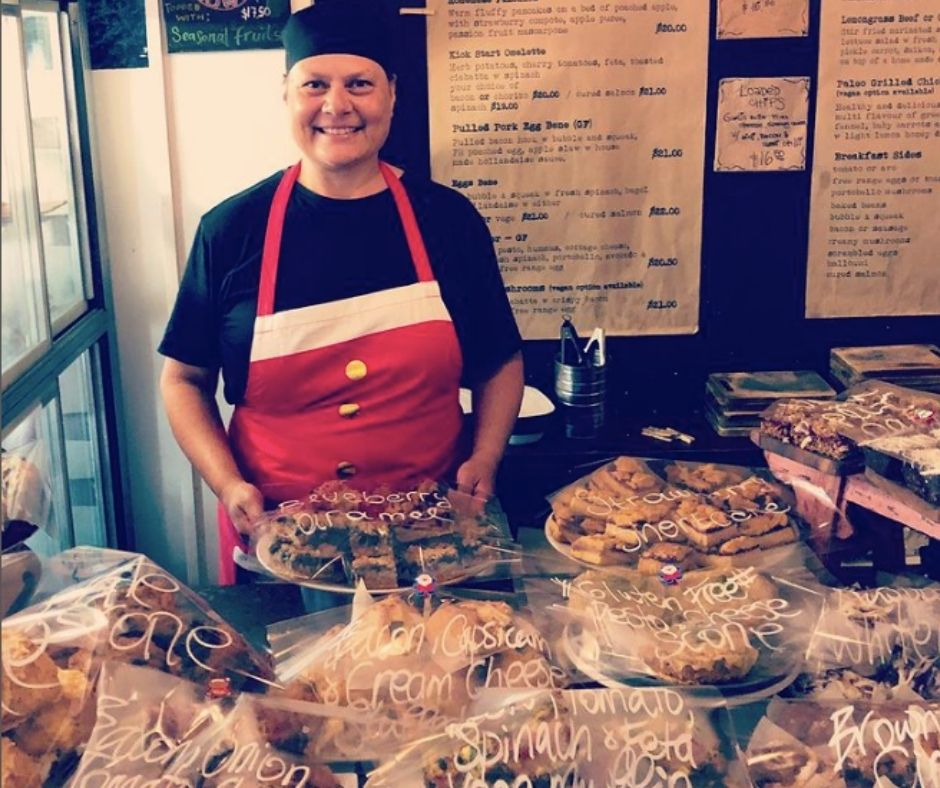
860 490
753 389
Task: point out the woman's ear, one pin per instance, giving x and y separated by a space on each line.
393 80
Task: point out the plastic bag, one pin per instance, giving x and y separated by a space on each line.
650 737
835 428
879 644
384 538
153 618
157 729
911 459
50 665
809 745
415 662
657 516
739 630
26 493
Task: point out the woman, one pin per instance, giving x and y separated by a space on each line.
342 300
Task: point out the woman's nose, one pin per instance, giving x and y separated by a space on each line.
336 101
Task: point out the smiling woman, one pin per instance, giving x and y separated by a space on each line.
343 300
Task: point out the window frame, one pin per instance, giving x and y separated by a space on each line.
88 326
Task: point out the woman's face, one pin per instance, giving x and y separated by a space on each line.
340 109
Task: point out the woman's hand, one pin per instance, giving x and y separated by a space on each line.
244 504
477 476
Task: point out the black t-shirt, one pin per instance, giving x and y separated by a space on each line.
330 250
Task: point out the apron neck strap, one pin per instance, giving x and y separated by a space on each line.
419 254
271 253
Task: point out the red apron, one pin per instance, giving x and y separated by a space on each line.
363 389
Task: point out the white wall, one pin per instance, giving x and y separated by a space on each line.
172 140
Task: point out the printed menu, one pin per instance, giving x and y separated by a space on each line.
577 130
876 170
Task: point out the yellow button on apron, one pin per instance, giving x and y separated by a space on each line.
348 409
356 370
345 469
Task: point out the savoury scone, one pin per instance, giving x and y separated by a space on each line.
704 664
469 627
30 678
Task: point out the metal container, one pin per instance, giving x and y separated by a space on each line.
582 385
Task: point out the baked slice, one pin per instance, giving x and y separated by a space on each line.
441 561
376 571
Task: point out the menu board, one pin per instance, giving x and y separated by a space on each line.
578 132
761 124
876 171
211 25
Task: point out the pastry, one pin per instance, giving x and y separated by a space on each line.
626 477
30 678
704 526
441 561
704 477
20 770
376 571
469 627
599 549
743 544
782 766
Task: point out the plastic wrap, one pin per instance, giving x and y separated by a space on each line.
802 744
911 459
415 662
642 737
26 492
156 729
385 538
153 619
738 630
835 428
658 516
50 666
879 644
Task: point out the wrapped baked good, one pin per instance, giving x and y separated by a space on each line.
26 496
874 645
384 538
681 515
835 428
156 729
153 619
911 459
416 662
50 666
739 630
803 744
649 737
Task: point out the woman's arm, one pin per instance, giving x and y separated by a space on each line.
189 398
495 405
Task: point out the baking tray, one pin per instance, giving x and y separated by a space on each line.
819 462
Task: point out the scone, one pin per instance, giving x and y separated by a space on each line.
705 665
30 678
469 627
744 544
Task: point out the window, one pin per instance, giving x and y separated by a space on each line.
59 432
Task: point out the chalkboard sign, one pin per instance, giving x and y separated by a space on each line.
213 25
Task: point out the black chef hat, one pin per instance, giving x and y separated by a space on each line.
350 27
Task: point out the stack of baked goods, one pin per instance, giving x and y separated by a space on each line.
586 737
649 515
874 645
384 538
413 663
50 665
733 628
834 429
802 744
